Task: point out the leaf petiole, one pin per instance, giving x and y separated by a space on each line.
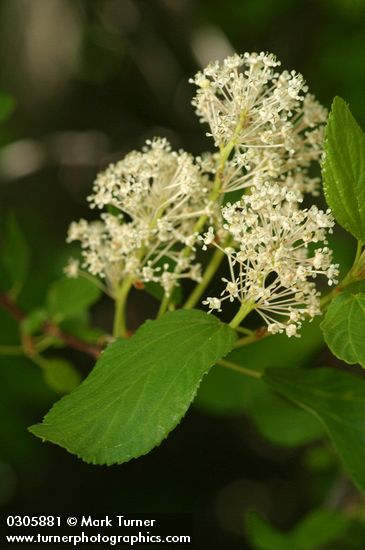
238 368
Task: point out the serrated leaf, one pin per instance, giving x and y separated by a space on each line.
344 325
338 400
343 169
15 254
318 528
139 389
68 297
60 375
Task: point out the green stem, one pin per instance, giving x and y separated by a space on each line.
358 252
238 368
244 310
44 342
39 361
163 306
246 340
11 350
207 277
119 326
245 330
354 274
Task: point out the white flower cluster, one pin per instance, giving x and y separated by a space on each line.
275 127
269 260
157 196
267 130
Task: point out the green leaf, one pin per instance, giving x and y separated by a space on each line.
318 528
15 254
68 297
343 169
281 423
338 400
139 389
60 375
7 106
344 325
225 392
263 536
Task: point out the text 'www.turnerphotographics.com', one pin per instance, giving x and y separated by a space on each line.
109 530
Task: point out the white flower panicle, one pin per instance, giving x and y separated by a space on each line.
157 175
267 115
157 196
157 202
269 261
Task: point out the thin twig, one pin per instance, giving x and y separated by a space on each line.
7 303
255 336
51 328
72 341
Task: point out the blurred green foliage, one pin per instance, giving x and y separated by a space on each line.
91 80
320 529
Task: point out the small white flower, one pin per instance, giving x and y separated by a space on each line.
213 304
231 289
291 330
273 328
207 238
72 268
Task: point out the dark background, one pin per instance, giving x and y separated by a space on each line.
92 80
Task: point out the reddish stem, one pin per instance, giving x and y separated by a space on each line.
50 328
